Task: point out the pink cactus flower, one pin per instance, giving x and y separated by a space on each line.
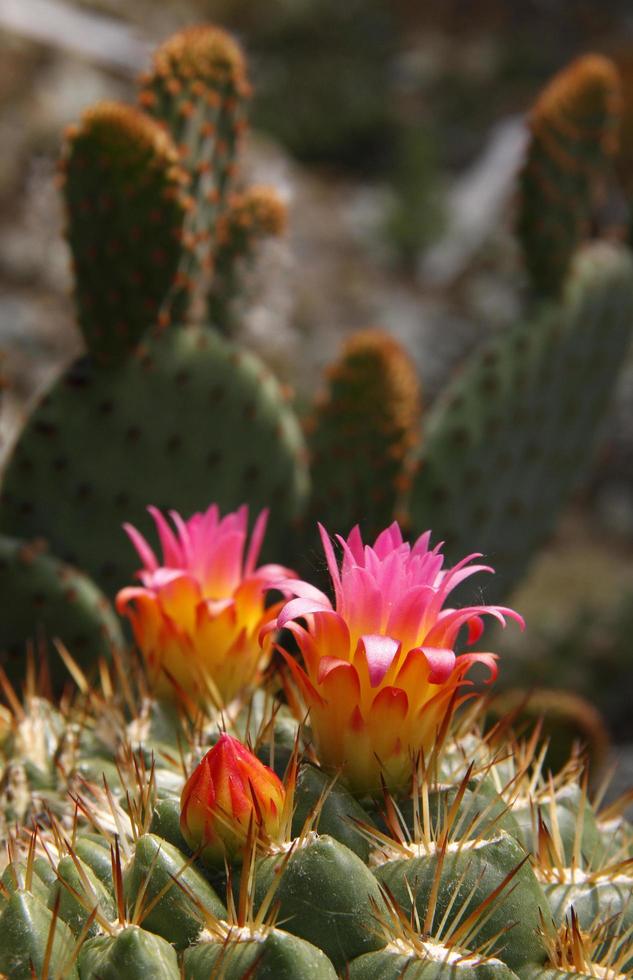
197 614
381 670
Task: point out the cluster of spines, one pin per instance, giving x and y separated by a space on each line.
126 200
364 433
573 138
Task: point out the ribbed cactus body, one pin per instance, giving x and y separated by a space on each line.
268 955
174 915
33 942
465 876
430 961
133 953
326 896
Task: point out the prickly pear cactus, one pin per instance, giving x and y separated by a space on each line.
44 600
197 87
126 200
363 434
511 437
187 415
574 135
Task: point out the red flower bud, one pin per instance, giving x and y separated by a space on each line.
229 789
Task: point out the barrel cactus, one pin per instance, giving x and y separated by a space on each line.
154 836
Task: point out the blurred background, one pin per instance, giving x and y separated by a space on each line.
394 130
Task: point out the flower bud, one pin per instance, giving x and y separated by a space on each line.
228 791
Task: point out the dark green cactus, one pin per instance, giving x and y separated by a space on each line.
126 202
363 435
186 419
574 133
45 600
513 434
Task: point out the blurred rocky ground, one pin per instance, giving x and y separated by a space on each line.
393 130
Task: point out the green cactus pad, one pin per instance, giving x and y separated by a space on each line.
126 204
574 133
272 955
175 916
363 434
468 876
44 600
325 895
197 87
510 438
26 926
189 420
133 954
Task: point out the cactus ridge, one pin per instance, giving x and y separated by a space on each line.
126 201
363 434
574 134
104 438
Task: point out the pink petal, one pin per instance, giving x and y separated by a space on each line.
301 607
441 663
475 629
388 540
331 563
379 653
255 546
328 664
145 553
489 660
303 590
172 552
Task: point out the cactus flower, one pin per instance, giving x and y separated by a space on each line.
197 614
381 670
226 792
